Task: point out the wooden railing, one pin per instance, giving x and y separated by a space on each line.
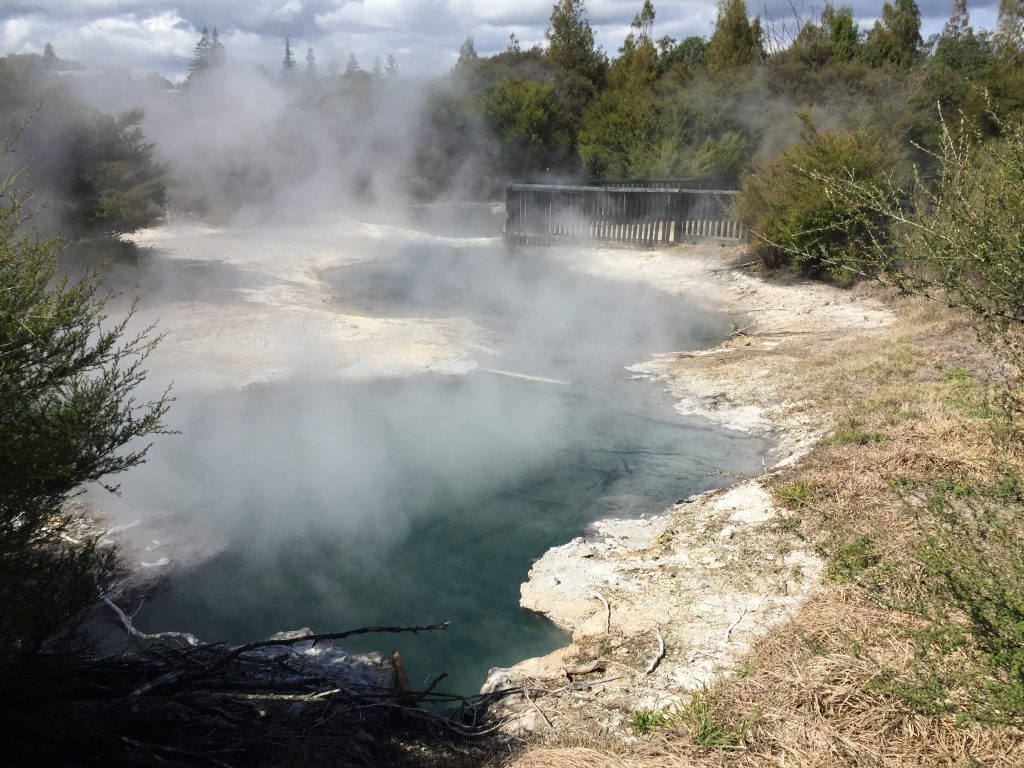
661 212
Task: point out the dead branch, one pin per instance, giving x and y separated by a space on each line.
126 621
608 612
581 669
526 693
660 655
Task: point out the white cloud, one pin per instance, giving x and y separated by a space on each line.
288 11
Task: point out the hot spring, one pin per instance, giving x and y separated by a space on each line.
406 496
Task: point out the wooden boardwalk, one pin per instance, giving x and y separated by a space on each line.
640 212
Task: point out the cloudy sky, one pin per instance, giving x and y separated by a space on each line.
424 35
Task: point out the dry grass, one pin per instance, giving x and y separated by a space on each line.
916 418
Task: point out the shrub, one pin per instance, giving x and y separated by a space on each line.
792 218
67 410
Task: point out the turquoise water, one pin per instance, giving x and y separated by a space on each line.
427 499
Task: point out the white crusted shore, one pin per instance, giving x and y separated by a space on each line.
712 574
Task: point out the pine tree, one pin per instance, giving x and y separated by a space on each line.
378 67
217 53
391 66
352 66
49 57
288 62
207 55
200 60
734 42
310 63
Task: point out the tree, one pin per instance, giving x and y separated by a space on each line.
842 31
200 60
391 66
207 55
571 43
637 65
288 62
69 416
1009 36
734 42
49 57
378 68
310 63
896 37
116 185
959 20
217 52
352 66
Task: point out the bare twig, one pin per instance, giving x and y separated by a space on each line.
184 637
728 633
660 655
526 693
607 612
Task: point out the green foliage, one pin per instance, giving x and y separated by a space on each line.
644 721
68 411
698 715
963 234
793 494
571 43
846 560
117 186
896 37
972 602
793 219
734 42
526 119
619 135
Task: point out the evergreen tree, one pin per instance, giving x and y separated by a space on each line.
310 63
734 42
208 54
391 66
49 57
69 416
571 42
200 60
288 62
378 67
352 66
217 53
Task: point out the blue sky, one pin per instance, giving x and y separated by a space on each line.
424 35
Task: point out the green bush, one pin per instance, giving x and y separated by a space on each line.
793 220
68 409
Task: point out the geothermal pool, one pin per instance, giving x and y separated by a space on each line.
333 501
